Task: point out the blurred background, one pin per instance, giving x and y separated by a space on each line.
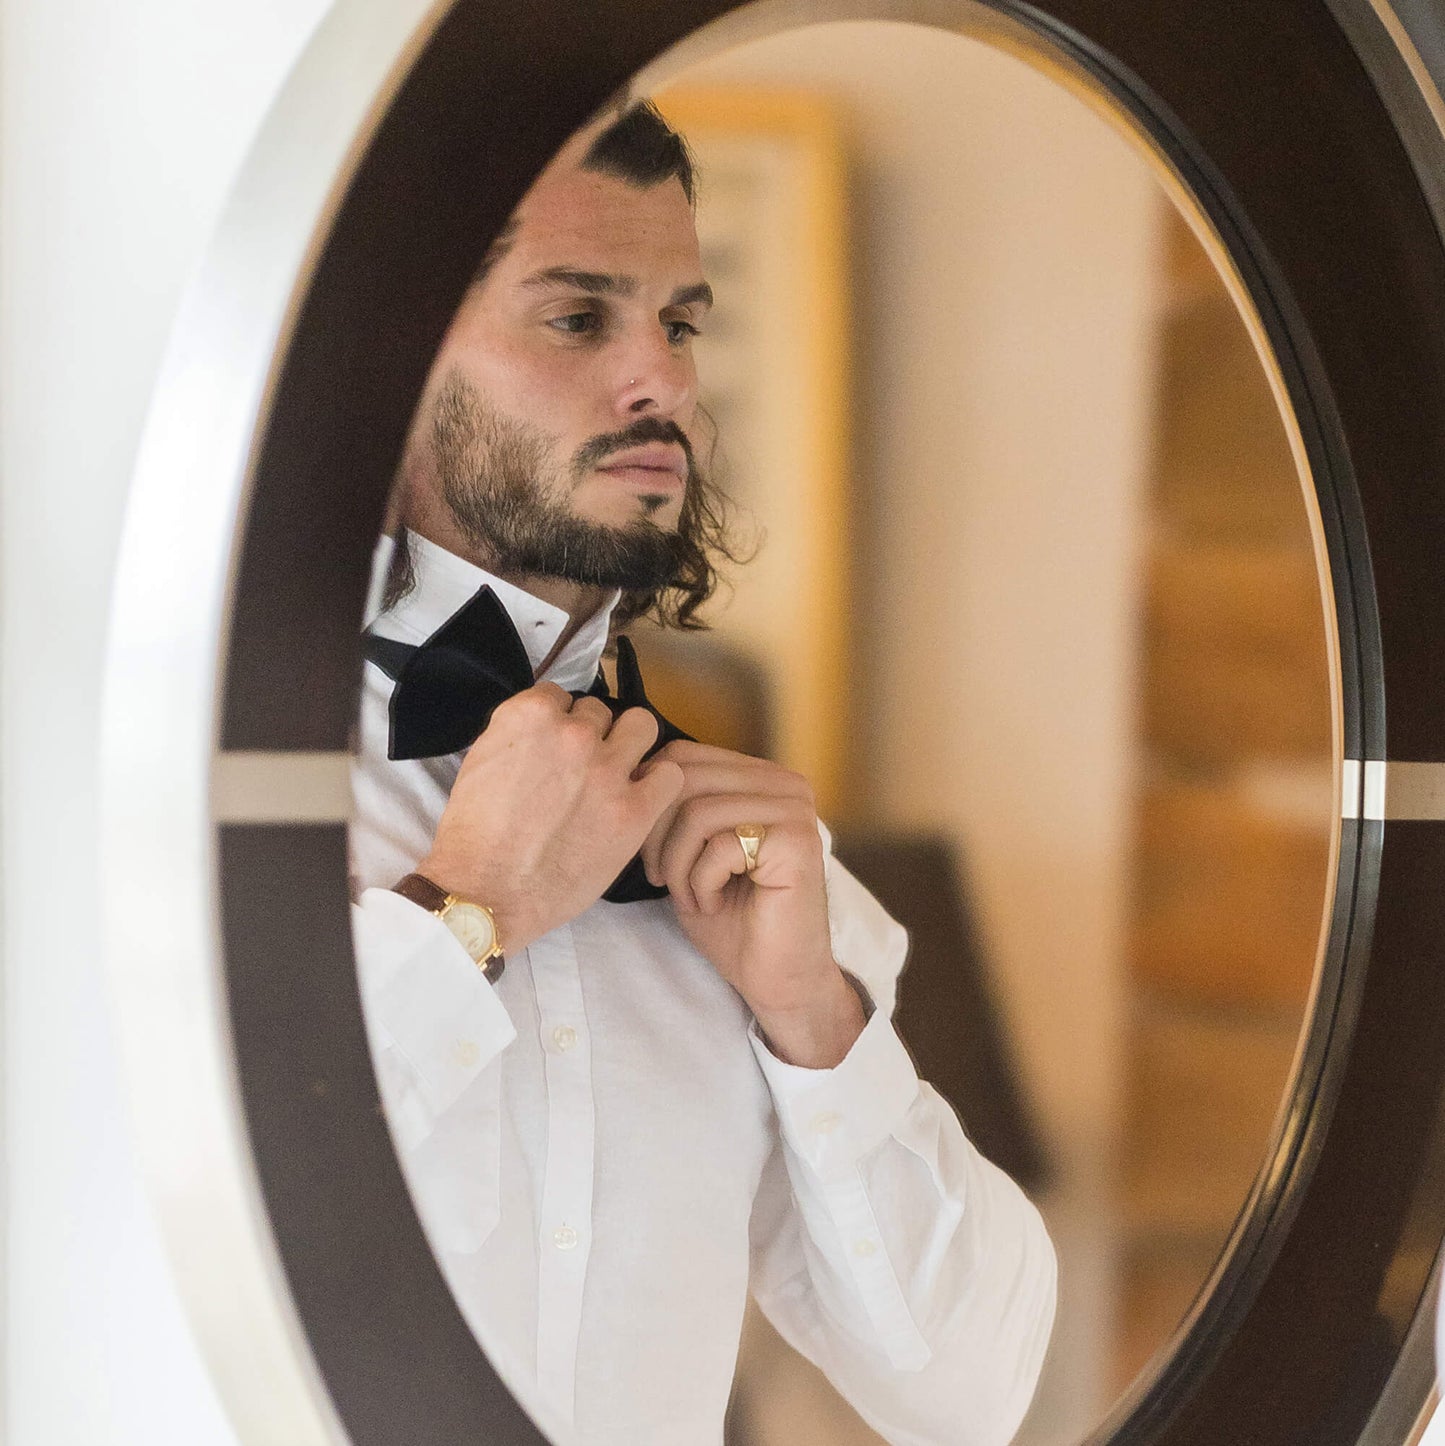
1075 612
1034 600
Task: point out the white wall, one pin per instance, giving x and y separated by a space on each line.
122 123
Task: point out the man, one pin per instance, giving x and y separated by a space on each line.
681 1085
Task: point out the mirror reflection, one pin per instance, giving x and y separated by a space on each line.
915 390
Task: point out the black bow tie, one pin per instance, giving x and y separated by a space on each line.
447 688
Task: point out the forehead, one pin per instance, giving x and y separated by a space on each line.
596 222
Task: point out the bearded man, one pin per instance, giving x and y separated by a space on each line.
630 1018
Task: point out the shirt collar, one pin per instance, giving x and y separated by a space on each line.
445 583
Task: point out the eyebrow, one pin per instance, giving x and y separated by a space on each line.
602 283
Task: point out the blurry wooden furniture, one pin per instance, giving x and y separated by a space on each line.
947 1013
1232 824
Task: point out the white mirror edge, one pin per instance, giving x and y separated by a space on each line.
162 679
163 951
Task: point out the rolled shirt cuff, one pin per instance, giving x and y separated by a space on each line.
424 996
832 1118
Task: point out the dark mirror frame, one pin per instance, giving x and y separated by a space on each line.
1307 132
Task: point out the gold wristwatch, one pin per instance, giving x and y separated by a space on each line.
473 924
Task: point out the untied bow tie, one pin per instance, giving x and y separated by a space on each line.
447 688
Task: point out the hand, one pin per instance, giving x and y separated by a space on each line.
546 809
765 932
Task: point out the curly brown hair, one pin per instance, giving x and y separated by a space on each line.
639 147
704 543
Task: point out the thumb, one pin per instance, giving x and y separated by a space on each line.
659 783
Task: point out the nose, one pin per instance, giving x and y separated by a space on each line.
657 378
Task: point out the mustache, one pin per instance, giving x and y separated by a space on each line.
642 431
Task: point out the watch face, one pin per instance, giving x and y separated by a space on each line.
473 926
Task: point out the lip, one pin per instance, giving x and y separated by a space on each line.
646 464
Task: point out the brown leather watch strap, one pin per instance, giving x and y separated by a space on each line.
420 890
448 907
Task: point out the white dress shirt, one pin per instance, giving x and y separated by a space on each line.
607 1158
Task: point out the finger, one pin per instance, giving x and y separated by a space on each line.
687 752
595 713
736 774
720 862
651 850
709 770
658 787
633 733
696 821
525 713
652 844
533 706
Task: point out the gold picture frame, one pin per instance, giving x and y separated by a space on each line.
774 371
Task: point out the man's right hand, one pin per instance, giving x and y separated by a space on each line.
545 811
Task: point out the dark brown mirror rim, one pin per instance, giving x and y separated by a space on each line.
1293 145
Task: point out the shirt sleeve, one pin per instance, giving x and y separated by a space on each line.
434 1022
912 1271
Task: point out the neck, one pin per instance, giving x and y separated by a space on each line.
580 601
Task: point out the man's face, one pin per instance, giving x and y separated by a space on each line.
562 402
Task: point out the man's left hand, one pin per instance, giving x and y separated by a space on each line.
766 932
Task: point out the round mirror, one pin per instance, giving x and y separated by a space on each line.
1098 744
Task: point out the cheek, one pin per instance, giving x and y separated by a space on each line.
547 391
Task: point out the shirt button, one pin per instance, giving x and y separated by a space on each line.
564 1036
564 1238
826 1123
865 1248
465 1053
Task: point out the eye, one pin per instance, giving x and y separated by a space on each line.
680 331
576 323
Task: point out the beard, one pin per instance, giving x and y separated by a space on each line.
511 502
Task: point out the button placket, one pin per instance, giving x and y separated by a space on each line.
565 1223
873 1273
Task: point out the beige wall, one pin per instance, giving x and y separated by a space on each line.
1005 261
1006 243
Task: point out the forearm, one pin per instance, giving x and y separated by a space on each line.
819 1034
910 1269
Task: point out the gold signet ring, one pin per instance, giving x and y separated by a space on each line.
751 836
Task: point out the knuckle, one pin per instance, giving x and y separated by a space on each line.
644 720
688 812
798 785
589 721
530 706
666 774
576 733
802 811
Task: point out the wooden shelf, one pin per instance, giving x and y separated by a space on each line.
1222 452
